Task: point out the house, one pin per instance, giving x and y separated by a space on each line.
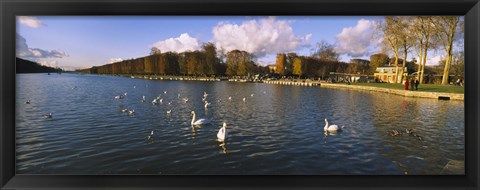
386 74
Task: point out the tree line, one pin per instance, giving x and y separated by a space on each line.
204 62
26 66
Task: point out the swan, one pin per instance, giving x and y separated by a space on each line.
200 121
150 137
48 116
222 133
331 127
207 104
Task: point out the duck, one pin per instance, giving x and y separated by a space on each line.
154 101
394 133
169 111
409 131
244 99
222 133
200 121
185 99
131 112
251 95
48 116
27 102
118 97
124 110
125 94
150 137
331 127
165 92
229 98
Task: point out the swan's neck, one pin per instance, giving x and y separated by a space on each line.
326 125
193 118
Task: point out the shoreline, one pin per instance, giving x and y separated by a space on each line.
321 84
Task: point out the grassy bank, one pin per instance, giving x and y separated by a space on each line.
421 87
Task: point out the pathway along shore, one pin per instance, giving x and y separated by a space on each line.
406 93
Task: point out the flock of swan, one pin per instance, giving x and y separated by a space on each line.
222 133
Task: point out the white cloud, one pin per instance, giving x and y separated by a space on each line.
260 38
23 51
357 41
183 43
30 21
433 60
50 63
114 60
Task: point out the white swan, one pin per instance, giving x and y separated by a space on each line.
200 121
222 133
331 127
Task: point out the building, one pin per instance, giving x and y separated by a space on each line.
386 74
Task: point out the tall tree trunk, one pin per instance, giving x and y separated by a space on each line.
446 70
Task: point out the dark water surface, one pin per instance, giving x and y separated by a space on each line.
278 130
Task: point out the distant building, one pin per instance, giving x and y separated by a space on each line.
272 68
386 74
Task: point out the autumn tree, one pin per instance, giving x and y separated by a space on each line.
392 38
446 29
325 50
378 60
281 64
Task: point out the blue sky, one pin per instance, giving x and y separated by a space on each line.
85 41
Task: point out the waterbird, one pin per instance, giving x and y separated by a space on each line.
251 95
161 100
131 112
229 98
150 137
185 99
27 102
169 111
124 110
165 92
244 99
48 116
154 102
331 127
125 94
200 121
118 97
222 133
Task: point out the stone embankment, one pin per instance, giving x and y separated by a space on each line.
407 93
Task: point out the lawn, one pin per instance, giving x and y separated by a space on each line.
421 87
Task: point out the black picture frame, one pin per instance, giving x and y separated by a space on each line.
10 8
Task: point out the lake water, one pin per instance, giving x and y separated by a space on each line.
278 130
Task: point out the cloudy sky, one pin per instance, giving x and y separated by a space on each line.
73 42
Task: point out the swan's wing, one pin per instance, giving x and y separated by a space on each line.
201 121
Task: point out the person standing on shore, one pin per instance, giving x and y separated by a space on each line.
412 84
416 84
406 84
